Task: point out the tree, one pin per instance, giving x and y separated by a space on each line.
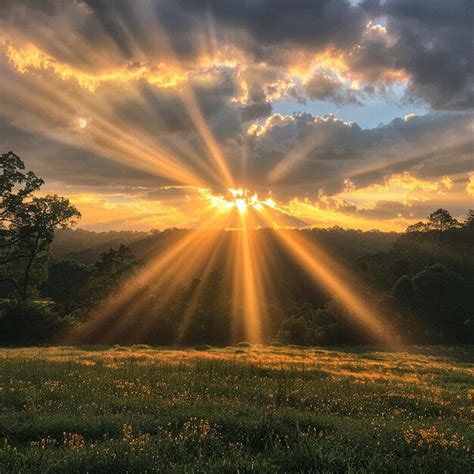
27 225
403 291
109 274
442 221
418 227
469 221
210 320
441 299
15 186
66 283
402 306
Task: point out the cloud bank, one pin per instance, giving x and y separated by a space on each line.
117 103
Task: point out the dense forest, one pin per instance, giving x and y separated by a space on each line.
54 279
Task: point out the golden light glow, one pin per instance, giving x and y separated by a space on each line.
240 199
250 270
30 57
89 122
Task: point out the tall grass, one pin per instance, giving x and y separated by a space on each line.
245 409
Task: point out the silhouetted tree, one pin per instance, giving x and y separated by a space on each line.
27 225
418 227
469 221
439 297
16 186
66 282
442 220
110 272
404 292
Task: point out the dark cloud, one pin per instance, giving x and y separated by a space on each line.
275 22
435 47
430 42
255 111
415 211
427 43
387 210
323 87
332 150
15 7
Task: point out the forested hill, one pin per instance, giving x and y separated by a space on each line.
84 243
87 246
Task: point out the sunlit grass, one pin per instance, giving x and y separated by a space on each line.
246 407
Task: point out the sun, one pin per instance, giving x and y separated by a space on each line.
240 199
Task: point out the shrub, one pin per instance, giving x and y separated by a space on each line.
244 344
294 331
27 322
202 347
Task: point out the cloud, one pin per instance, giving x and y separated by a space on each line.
324 151
434 46
470 185
256 111
270 45
138 97
322 87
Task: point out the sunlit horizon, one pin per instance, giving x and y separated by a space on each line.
141 126
161 120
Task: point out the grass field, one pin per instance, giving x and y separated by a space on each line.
240 409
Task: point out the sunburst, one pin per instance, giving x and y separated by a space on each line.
233 205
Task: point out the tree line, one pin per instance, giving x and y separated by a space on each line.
420 281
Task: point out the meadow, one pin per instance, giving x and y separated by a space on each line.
236 409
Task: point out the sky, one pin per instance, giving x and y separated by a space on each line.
145 112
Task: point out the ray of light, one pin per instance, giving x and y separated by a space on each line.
321 268
101 136
192 306
324 270
185 267
248 289
193 109
283 168
133 288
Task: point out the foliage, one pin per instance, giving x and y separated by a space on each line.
27 226
109 273
439 220
330 325
66 283
440 304
26 322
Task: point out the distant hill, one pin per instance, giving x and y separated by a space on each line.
284 279
87 246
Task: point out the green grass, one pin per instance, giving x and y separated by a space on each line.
238 409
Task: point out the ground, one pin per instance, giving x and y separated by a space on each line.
240 409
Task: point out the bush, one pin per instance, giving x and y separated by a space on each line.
244 344
294 331
27 322
329 325
202 347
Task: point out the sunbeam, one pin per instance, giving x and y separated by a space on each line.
112 306
92 124
324 270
